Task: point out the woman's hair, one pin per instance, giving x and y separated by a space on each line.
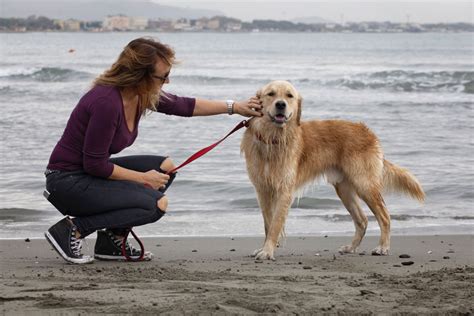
135 68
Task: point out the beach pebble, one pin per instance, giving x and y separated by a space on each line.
27 240
407 263
232 249
365 292
317 254
258 261
397 265
325 236
432 260
307 267
430 252
194 250
363 253
404 256
450 251
446 257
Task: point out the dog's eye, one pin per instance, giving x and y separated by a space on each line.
271 94
289 95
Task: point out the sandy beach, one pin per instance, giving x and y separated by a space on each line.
217 276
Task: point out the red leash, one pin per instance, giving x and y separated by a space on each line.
124 252
193 157
205 150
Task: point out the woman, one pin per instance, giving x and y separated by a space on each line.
119 193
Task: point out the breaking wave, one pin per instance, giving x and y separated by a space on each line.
44 74
404 81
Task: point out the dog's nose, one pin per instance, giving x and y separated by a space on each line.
280 105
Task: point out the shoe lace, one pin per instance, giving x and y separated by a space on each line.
129 248
76 244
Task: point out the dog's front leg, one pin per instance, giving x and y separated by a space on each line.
267 204
276 225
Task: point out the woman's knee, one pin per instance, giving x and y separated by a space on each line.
162 203
167 165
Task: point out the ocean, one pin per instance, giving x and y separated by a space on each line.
415 91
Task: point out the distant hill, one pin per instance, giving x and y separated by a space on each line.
94 10
312 20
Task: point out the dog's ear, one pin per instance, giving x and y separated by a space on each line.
298 114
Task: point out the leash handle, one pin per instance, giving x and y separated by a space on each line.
205 150
142 249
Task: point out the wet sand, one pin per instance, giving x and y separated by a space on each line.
217 276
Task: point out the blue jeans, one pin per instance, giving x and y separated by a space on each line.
98 203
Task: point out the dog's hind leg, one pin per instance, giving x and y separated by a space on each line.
349 198
377 205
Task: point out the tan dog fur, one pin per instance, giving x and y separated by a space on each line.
283 156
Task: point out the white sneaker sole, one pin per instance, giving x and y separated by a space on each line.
146 257
52 241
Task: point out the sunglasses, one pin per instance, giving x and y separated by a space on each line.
162 78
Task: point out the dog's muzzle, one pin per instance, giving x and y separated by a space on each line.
280 118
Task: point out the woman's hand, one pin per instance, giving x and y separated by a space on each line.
251 107
155 179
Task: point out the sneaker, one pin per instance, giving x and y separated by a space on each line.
109 247
62 236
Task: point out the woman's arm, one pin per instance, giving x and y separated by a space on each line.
247 108
151 178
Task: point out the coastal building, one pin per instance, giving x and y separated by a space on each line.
138 23
116 23
199 24
161 25
233 26
124 23
213 24
70 25
182 25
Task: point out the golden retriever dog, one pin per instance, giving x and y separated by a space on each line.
283 154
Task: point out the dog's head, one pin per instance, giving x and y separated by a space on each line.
281 103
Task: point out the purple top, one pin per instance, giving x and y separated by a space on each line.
97 129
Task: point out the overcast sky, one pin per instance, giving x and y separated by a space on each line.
337 10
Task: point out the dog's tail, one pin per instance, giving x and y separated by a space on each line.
400 179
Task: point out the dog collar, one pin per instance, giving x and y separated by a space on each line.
260 138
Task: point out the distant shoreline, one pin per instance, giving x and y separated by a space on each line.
223 32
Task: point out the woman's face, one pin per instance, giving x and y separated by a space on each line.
162 72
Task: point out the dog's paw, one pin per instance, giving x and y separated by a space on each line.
346 249
380 251
256 251
264 255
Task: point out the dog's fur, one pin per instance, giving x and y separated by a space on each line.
283 154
